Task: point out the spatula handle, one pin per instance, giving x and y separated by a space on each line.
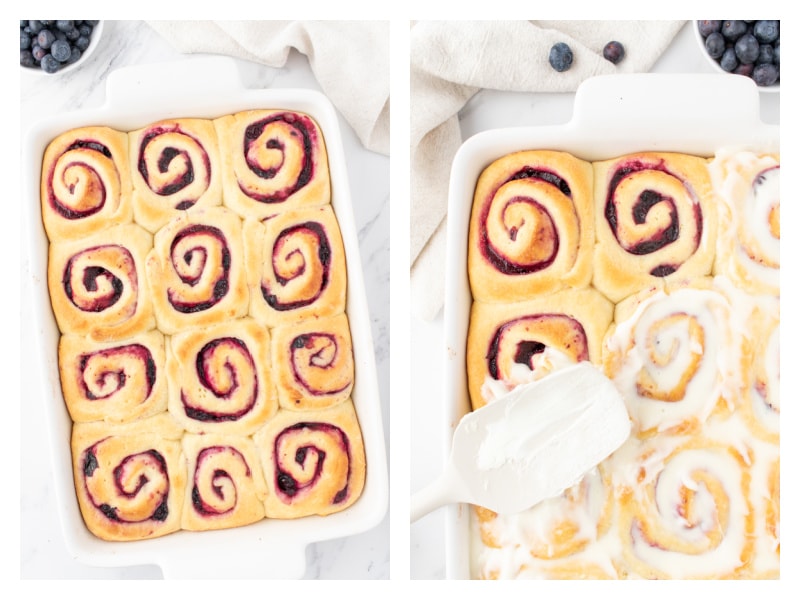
443 490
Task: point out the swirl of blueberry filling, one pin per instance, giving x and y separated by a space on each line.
201 258
170 161
76 184
279 150
215 489
518 214
628 214
518 342
95 278
105 373
313 357
137 491
226 368
301 258
301 452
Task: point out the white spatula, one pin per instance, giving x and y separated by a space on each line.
530 445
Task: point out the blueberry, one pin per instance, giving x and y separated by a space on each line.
728 62
614 52
82 43
747 49
38 52
560 57
708 27
715 44
61 50
73 34
767 32
766 54
85 30
65 25
777 53
733 30
35 26
26 58
74 56
24 40
49 64
745 69
46 38
766 74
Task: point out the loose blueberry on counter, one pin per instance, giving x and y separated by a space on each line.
560 57
614 52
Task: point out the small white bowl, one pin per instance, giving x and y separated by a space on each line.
94 41
716 66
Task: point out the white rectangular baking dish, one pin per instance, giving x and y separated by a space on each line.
135 97
613 115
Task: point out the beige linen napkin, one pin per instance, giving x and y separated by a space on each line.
350 60
450 62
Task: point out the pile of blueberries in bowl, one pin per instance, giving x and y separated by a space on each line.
750 48
56 46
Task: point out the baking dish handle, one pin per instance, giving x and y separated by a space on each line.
128 88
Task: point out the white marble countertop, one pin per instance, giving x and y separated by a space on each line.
488 110
43 554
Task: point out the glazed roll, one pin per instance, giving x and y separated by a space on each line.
113 381
129 479
220 378
560 534
86 183
675 357
314 461
655 216
272 160
225 486
531 227
174 167
748 247
98 286
765 496
296 266
509 344
196 270
685 511
313 363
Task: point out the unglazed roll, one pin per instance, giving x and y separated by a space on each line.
86 183
273 160
220 378
655 218
675 356
314 461
196 270
98 286
508 343
225 486
130 478
113 381
296 266
313 362
685 511
531 227
174 167
559 535
748 247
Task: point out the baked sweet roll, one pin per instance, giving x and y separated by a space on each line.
220 379
196 270
656 218
563 537
97 284
509 344
129 479
675 355
86 183
531 227
174 166
748 248
225 485
272 160
685 511
296 266
313 362
314 461
113 381
765 496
